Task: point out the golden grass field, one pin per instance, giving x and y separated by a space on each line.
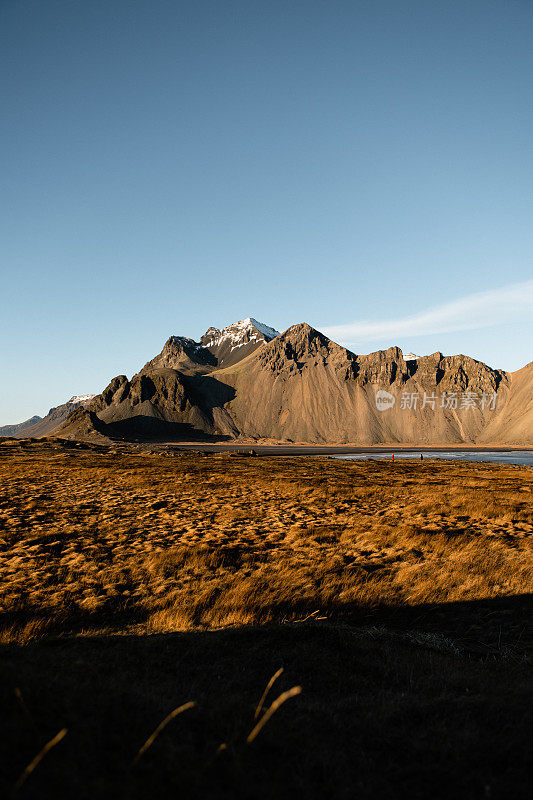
397 595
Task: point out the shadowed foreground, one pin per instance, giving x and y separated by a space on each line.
396 596
381 714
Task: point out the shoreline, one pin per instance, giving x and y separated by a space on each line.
327 450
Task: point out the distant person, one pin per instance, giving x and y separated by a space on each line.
421 456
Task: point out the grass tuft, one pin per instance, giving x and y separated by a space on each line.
283 697
162 725
25 774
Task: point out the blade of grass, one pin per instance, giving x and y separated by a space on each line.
268 687
272 710
38 758
25 709
151 739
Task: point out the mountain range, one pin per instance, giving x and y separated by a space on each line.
41 426
248 381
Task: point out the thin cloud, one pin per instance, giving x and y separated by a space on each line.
473 311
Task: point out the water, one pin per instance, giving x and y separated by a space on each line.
522 457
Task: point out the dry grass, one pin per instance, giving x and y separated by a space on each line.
128 541
395 594
34 763
381 715
271 710
162 725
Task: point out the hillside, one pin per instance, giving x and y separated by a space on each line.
513 424
301 386
55 417
320 392
20 427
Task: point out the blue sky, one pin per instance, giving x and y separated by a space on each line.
166 166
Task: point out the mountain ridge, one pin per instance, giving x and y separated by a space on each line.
41 426
13 430
245 382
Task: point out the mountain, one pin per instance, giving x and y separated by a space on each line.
185 355
319 391
13 430
247 380
514 419
216 348
230 345
41 426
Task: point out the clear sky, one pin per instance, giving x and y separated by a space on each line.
165 166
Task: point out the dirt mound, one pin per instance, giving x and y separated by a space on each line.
84 425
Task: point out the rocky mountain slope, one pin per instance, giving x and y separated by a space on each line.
216 348
513 421
317 391
233 343
16 430
41 426
248 381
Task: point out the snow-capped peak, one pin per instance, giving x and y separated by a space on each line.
241 332
271 333
81 398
